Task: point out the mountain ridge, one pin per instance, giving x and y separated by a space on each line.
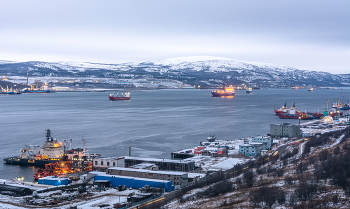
193 70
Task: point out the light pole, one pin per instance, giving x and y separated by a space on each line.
299 120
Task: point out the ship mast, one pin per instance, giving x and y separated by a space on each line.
85 151
27 77
48 135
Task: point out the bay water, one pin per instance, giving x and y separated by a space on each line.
153 123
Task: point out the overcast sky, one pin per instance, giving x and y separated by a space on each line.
305 34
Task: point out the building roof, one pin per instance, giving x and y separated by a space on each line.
157 160
98 173
147 159
147 171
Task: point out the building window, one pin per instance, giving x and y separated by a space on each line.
113 163
101 162
107 163
95 162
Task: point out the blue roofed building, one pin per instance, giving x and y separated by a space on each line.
133 182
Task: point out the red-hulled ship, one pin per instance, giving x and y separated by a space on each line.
282 110
123 96
289 116
227 91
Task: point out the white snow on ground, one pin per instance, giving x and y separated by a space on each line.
209 163
301 150
178 60
110 196
338 140
227 163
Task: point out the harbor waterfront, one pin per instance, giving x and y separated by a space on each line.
153 123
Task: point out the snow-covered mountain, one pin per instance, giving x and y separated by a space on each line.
204 70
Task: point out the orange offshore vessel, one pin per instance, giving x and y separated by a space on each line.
227 91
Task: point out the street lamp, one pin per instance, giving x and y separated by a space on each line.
299 120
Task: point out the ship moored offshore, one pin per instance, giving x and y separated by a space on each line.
227 91
123 96
36 89
8 90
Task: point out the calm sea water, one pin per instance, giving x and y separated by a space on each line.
154 122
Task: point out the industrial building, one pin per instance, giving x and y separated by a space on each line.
102 164
285 130
133 182
179 179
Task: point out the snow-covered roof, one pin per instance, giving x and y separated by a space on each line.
194 175
147 171
156 160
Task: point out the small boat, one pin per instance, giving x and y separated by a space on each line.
211 138
345 107
311 89
249 90
123 96
317 115
227 91
305 116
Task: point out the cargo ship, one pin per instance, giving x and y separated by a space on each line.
35 89
9 91
123 96
51 151
227 91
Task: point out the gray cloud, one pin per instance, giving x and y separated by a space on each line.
310 35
